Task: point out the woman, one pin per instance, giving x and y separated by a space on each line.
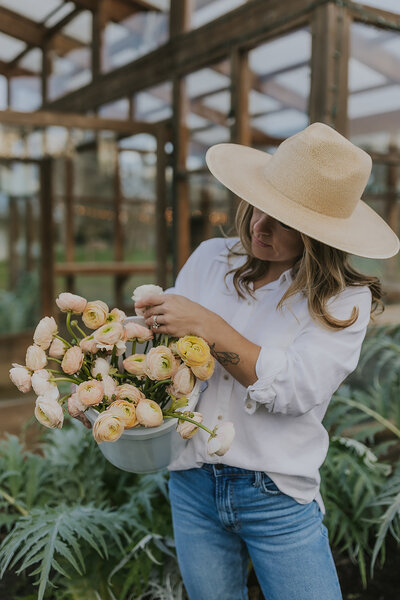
285 315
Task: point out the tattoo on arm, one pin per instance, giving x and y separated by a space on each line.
225 358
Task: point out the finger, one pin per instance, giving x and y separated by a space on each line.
150 301
150 323
155 310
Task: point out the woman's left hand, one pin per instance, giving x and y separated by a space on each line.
178 316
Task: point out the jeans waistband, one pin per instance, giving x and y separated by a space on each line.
221 469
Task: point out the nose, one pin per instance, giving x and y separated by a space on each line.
264 224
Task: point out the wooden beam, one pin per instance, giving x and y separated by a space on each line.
99 23
161 205
392 210
372 15
69 220
374 123
240 78
374 56
329 66
119 279
13 266
71 121
46 238
246 26
105 268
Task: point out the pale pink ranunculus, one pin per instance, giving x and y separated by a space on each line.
149 413
35 358
109 334
221 443
90 392
135 364
126 411
204 372
160 363
173 348
141 292
116 315
21 377
109 385
75 406
49 412
101 366
95 314
187 429
57 348
72 302
183 381
108 427
126 391
73 360
134 331
88 345
44 332
42 386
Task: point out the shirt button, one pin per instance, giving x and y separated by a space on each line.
248 405
220 417
226 377
248 302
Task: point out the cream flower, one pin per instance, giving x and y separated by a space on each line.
205 371
126 391
48 412
173 348
183 381
143 291
95 314
187 429
90 392
135 364
221 443
116 315
107 428
21 377
134 331
88 345
126 411
42 386
109 334
73 360
35 358
149 413
57 348
160 363
193 350
101 367
44 332
67 301
75 406
109 385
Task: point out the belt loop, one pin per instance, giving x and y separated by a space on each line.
257 478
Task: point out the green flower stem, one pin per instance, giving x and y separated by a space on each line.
13 502
158 384
134 346
75 324
62 340
55 359
178 415
53 371
372 413
66 379
61 400
68 322
86 369
146 346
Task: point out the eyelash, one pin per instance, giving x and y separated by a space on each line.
284 226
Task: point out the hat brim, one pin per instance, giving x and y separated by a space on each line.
241 170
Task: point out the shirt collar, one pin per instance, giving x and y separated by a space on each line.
235 261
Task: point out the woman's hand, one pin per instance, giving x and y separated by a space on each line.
177 315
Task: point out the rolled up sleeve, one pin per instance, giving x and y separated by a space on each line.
294 380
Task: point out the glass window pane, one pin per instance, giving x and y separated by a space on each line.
205 11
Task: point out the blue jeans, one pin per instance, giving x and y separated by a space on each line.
222 515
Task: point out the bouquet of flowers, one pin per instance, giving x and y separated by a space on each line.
139 390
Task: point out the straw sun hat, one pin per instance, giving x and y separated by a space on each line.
313 183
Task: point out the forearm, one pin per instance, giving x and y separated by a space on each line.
233 351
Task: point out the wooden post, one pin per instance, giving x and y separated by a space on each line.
29 235
46 238
13 264
161 205
46 69
98 25
329 66
119 280
392 212
180 14
69 220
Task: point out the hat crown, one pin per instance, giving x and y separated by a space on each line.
321 170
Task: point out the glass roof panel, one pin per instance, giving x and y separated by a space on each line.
80 28
32 60
64 10
283 123
281 52
209 10
374 101
361 76
297 80
259 102
37 10
3 92
390 5
10 47
205 81
220 101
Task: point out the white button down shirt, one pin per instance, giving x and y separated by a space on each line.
301 364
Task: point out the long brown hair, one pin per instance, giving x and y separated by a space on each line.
320 273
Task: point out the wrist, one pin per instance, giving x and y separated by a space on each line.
207 326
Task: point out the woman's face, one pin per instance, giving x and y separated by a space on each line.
272 240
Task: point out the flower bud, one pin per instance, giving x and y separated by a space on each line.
126 411
187 429
75 406
221 442
135 364
73 360
21 377
129 392
44 332
35 358
42 386
90 392
57 348
48 412
107 428
149 413
95 314
72 302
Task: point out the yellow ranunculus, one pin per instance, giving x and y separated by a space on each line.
194 351
205 371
